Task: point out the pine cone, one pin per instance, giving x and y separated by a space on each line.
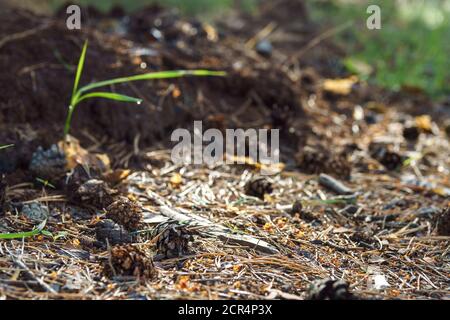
2 193
411 133
95 193
125 212
172 239
443 223
258 187
48 164
108 230
128 260
297 208
390 160
318 160
79 175
328 289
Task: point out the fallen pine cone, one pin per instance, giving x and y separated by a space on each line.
111 232
125 212
297 208
95 193
172 239
328 289
80 175
128 260
411 133
319 160
258 187
390 160
443 223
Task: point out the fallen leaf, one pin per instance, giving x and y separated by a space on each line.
424 123
340 86
176 93
117 175
176 179
76 154
211 33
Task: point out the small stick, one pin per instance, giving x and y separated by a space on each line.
219 231
23 34
318 39
334 185
263 33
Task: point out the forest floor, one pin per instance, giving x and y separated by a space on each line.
382 227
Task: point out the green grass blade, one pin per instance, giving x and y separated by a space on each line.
154 76
6 146
79 69
26 234
110 96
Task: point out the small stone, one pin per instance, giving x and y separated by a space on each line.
371 118
264 48
111 232
48 164
35 211
351 209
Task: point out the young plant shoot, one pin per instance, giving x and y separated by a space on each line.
83 93
2 147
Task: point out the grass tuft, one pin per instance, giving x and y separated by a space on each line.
81 94
19 235
2 147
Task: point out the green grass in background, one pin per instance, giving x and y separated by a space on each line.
191 7
412 48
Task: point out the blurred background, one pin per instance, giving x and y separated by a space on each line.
411 50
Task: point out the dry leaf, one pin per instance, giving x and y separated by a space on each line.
269 169
211 33
340 86
117 175
76 154
176 93
176 179
424 123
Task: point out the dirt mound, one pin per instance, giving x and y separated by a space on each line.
275 67
38 56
